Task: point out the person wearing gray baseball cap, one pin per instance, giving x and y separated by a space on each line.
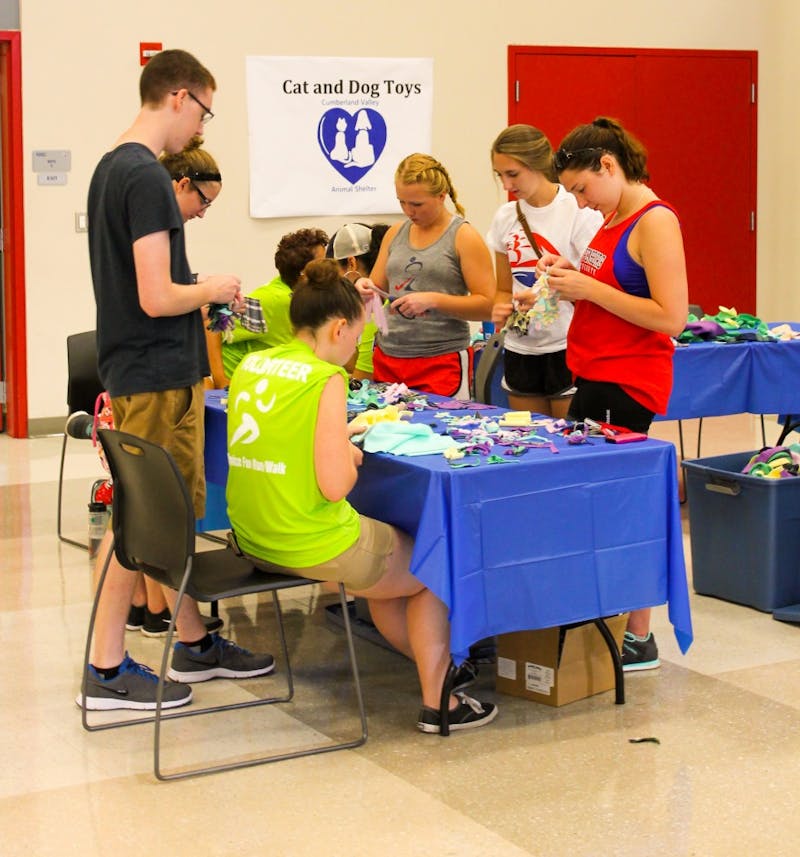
355 247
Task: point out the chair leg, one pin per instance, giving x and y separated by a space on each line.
90 632
88 653
260 760
60 492
61 482
354 669
444 700
100 727
158 717
284 648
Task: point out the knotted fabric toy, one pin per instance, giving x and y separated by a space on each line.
542 314
222 319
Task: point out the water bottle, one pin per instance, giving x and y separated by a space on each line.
98 523
487 327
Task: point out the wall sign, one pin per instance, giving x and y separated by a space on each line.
327 133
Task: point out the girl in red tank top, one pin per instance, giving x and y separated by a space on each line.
630 297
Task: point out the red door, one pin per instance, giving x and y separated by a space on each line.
695 112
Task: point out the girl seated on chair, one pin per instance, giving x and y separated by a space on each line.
292 465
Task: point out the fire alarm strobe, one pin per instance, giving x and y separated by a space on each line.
147 50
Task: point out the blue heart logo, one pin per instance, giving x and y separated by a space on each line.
352 142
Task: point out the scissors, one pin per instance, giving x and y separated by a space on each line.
381 292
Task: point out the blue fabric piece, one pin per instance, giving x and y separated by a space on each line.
402 438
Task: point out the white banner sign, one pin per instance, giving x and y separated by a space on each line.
327 133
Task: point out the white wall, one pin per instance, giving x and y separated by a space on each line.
80 90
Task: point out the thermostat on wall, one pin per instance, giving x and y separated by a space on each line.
52 160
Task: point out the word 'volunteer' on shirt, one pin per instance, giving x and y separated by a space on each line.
261 364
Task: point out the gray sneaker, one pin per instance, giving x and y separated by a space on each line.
223 660
134 687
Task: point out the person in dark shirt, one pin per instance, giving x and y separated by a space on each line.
152 361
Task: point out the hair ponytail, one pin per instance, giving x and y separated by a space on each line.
321 294
582 148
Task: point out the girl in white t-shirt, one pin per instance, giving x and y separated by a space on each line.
544 218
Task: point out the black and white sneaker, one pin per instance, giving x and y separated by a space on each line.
157 624
468 714
135 618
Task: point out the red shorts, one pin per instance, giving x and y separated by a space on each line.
446 375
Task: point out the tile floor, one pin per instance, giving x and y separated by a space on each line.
539 781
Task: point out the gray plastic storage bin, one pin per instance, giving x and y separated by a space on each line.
745 532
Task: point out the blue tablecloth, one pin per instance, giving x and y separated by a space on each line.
545 540
715 379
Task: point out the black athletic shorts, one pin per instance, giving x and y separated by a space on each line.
536 374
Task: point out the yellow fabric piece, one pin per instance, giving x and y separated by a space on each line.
391 413
515 418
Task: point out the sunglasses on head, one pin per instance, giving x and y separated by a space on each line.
562 157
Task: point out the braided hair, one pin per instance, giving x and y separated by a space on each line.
426 170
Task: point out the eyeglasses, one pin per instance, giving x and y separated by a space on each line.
562 158
203 198
207 114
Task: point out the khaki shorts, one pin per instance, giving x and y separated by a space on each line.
362 565
174 419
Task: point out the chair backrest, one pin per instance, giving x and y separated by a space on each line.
487 366
696 309
153 518
83 380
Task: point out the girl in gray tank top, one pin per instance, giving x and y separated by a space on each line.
431 269
438 273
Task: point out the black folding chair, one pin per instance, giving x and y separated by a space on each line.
154 532
83 388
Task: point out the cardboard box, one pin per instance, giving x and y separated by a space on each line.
557 665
